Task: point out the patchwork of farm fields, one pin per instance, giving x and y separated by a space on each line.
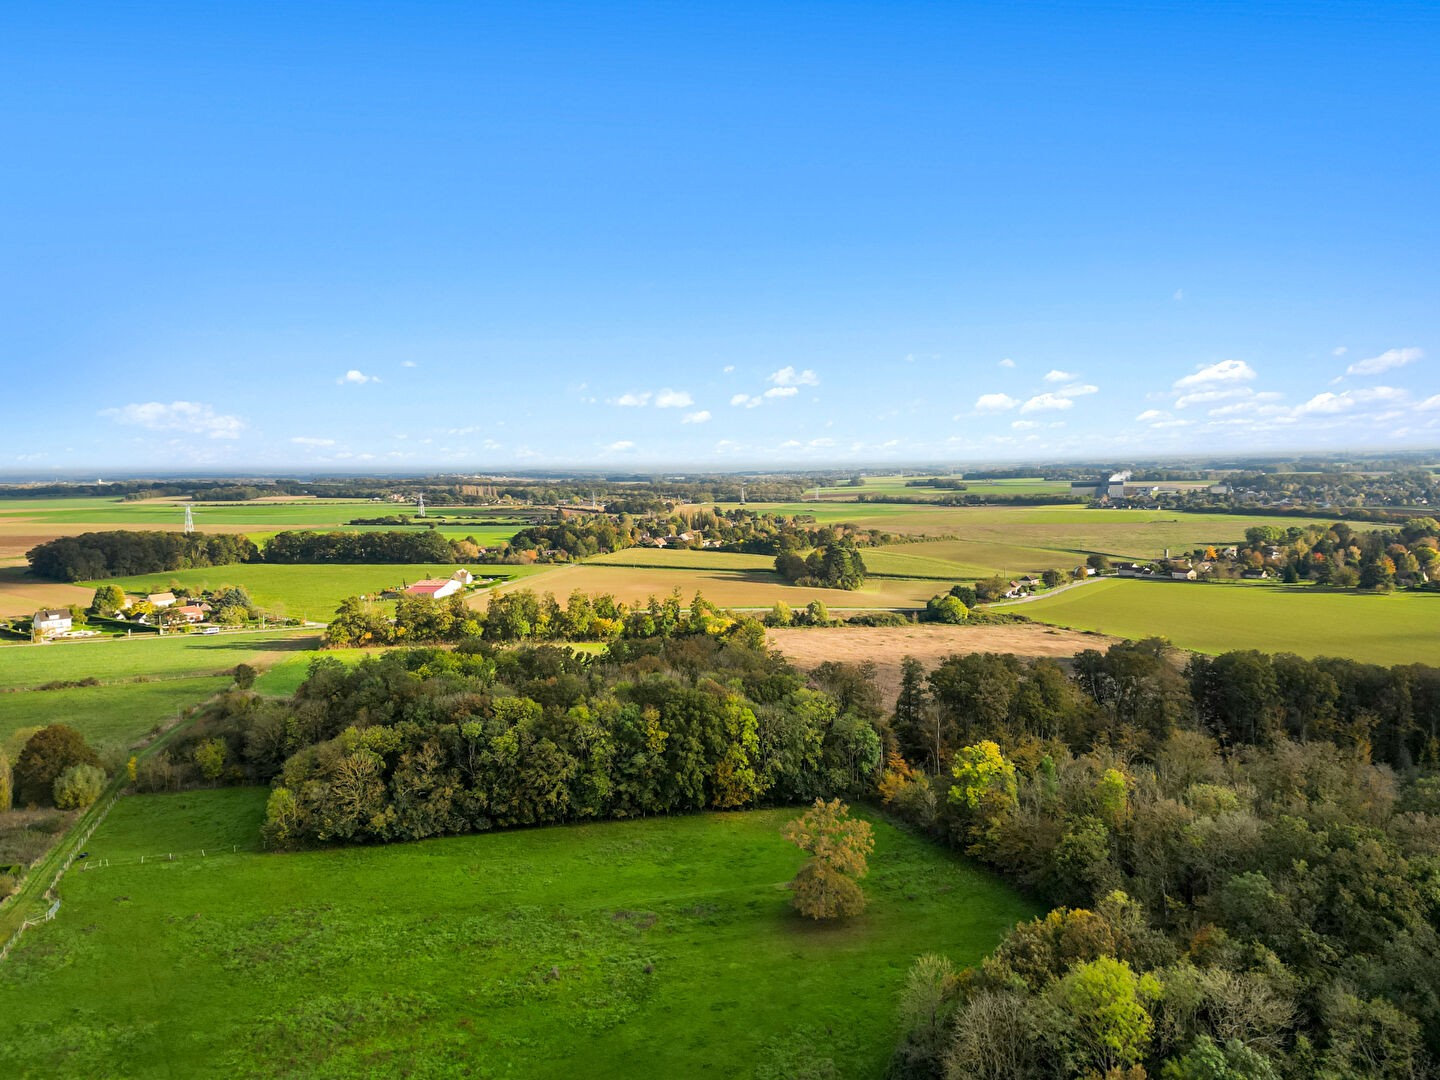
1403 628
655 947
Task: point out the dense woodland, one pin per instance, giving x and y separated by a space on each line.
1243 857
426 742
121 552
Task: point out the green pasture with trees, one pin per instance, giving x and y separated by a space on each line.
663 945
1396 628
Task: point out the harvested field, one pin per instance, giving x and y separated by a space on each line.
21 594
929 643
759 588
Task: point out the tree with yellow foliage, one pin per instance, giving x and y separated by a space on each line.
827 886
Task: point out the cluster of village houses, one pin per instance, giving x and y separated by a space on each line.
1188 569
59 623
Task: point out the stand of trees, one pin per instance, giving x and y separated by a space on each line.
425 742
122 552
836 565
1241 855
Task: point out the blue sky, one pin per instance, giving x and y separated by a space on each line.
364 236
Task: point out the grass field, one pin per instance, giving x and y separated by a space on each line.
110 717
124 658
285 677
659 947
1403 628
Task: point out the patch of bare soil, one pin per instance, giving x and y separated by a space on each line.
929 643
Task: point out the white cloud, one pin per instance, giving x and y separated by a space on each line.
633 401
356 378
1224 371
1044 402
310 440
749 401
1024 425
1430 404
1329 403
190 417
673 399
1056 375
788 376
1390 358
1179 294
1007 362
782 391
989 403
621 446
1339 350
1078 390
1230 393
407 363
701 417
727 369
822 442
1150 415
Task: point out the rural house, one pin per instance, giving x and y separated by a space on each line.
191 613
463 576
1183 575
161 599
52 621
437 588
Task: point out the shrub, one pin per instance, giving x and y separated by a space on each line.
78 786
48 753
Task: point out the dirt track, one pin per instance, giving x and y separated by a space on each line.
888 645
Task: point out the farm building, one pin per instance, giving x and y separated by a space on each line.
434 587
191 613
161 599
463 576
1183 575
52 621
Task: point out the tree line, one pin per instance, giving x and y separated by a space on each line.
426 742
1241 853
122 552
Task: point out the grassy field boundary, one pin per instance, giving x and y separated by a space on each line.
14 919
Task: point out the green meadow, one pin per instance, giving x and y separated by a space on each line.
656 947
111 717
1401 628
172 656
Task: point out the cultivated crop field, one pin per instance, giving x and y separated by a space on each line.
930 643
1403 628
657 947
